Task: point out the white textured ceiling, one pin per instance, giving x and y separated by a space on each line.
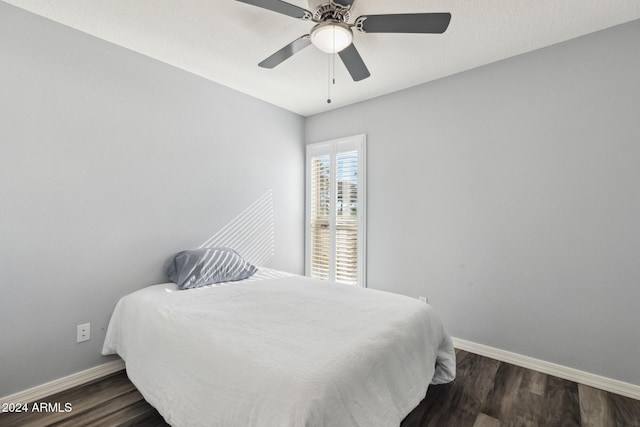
224 40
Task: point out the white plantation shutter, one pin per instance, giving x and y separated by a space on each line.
347 217
320 205
335 211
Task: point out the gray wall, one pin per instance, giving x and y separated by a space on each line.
110 162
509 195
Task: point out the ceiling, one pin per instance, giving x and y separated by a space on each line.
224 40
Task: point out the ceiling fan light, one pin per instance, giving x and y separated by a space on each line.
331 37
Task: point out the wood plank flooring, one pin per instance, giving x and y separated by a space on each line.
486 393
489 393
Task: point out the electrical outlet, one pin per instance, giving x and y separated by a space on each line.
424 299
83 332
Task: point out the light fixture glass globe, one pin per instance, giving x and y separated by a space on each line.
331 37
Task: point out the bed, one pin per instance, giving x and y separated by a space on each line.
280 350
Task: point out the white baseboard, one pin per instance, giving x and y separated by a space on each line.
571 374
62 384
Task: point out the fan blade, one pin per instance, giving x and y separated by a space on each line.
286 52
435 23
354 63
280 7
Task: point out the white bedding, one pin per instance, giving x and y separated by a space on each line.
282 351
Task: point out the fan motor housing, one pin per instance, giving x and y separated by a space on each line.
323 11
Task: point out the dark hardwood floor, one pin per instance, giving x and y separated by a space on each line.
486 393
489 393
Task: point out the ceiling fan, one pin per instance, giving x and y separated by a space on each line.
333 33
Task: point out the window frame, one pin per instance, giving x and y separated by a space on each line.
333 148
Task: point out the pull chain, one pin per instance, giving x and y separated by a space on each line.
329 81
333 59
331 78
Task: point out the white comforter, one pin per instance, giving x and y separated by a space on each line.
288 351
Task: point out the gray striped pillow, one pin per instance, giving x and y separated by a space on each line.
200 267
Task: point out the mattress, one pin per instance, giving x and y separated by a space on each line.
280 350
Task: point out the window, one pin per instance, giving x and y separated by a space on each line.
335 212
